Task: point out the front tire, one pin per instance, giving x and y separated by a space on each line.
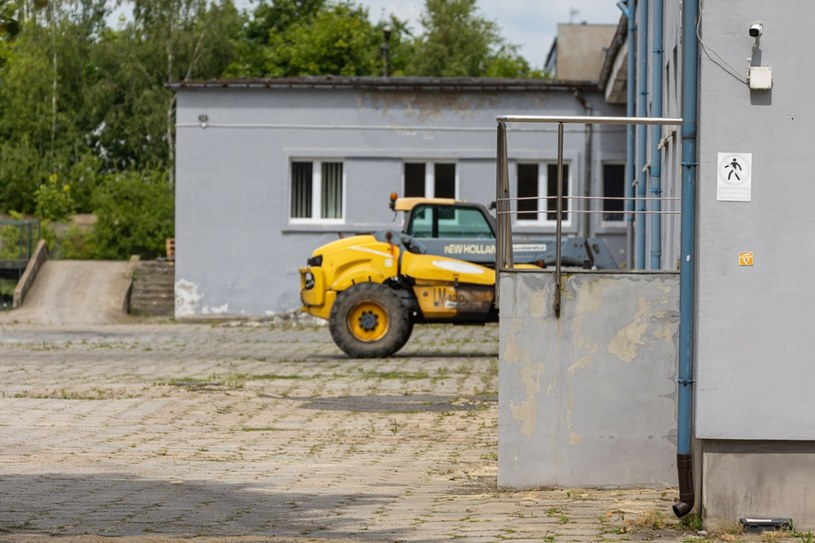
369 320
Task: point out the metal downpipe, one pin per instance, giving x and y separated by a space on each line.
628 12
656 136
642 132
690 101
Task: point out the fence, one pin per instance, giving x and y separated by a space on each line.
504 199
18 240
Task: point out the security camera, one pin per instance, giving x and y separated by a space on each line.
756 30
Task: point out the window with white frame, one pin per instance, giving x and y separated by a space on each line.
316 191
537 192
430 179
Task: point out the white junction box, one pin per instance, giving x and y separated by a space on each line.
760 77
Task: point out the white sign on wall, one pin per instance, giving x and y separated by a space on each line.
735 172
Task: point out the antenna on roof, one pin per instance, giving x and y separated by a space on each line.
572 14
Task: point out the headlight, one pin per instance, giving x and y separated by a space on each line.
316 261
309 281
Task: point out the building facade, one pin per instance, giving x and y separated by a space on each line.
741 165
267 171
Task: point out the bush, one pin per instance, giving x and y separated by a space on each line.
135 215
54 201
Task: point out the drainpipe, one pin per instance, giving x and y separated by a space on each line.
642 130
584 222
690 88
628 12
656 136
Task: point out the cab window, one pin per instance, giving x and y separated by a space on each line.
448 222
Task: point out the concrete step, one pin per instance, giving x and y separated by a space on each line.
153 291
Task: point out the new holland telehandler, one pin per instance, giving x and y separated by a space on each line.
373 288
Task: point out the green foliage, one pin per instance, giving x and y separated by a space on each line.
337 40
459 42
10 236
83 106
78 244
22 170
134 215
691 522
54 201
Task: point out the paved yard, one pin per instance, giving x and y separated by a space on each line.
256 432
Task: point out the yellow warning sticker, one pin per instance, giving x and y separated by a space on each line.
746 258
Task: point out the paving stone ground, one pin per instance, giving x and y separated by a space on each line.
251 432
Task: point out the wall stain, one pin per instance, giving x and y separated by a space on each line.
529 374
425 107
625 343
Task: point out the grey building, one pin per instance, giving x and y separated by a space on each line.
268 170
743 167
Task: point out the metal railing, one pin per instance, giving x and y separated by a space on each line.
503 198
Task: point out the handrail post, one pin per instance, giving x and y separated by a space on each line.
503 246
559 227
504 239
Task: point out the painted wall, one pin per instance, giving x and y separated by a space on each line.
588 399
237 252
754 339
755 342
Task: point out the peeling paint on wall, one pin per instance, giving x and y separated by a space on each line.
538 304
514 351
625 343
186 298
530 374
526 412
215 310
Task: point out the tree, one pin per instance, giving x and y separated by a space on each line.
311 37
337 40
458 42
134 215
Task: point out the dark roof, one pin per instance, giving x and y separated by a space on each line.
389 83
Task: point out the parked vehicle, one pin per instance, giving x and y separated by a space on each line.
373 288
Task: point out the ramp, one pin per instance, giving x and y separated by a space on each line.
69 292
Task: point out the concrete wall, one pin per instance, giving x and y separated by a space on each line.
237 252
759 479
588 399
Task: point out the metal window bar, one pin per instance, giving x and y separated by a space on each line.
503 243
601 198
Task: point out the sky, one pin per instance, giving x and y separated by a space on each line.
529 24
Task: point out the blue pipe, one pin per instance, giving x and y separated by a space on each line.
629 13
690 101
642 130
656 135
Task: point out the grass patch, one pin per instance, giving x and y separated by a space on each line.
63 394
230 382
653 520
396 375
271 377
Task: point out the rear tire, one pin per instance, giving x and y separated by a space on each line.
369 320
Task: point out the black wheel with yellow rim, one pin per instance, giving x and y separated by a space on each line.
369 320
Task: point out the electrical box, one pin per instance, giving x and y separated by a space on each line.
760 77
